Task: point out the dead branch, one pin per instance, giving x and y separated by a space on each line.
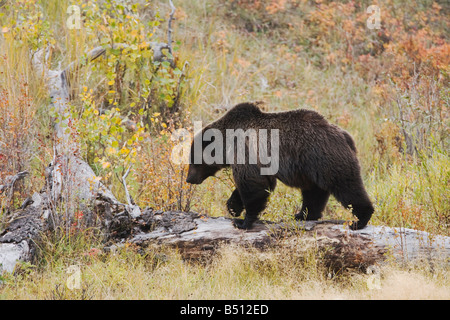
132 208
169 26
99 51
8 186
11 180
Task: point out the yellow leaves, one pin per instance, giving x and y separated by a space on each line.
275 6
155 116
221 42
243 63
116 120
165 186
93 181
180 14
331 58
106 164
143 46
110 83
278 93
134 33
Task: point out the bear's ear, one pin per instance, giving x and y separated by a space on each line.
261 105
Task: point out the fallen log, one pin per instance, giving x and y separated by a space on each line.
197 237
17 240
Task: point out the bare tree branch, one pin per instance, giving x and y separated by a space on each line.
124 182
169 26
9 183
99 51
132 208
11 180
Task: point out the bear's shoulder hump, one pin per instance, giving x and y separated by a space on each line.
243 109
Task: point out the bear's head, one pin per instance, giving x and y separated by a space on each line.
199 170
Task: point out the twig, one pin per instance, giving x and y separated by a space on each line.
100 50
169 26
132 208
10 181
129 200
177 98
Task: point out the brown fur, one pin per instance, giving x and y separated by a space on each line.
314 155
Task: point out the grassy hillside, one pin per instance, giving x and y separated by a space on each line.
387 86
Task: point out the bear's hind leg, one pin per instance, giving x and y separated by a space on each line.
314 202
355 197
363 211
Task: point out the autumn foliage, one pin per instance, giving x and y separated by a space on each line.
386 85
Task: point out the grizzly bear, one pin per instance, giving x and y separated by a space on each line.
307 152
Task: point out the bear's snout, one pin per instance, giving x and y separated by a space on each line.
192 180
193 176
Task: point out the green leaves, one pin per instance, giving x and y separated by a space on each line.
133 78
106 142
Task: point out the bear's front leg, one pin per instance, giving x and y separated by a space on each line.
254 191
246 223
234 204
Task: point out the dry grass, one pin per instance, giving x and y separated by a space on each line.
233 274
